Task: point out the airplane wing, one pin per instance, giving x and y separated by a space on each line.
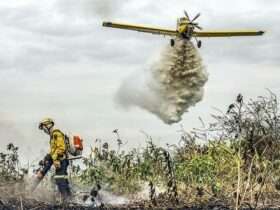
226 33
140 28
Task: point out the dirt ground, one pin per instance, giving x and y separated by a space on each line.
10 200
18 204
29 204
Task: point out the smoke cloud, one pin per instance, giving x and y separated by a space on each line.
170 87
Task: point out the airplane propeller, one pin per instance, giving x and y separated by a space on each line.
197 16
192 21
186 14
197 26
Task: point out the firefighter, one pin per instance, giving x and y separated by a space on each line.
57 157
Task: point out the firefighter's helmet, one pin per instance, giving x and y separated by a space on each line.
47 123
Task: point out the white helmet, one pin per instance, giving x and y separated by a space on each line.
46 124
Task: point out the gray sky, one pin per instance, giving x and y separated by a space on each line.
56 60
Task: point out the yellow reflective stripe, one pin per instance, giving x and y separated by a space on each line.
60 177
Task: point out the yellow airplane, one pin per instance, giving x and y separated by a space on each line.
186 29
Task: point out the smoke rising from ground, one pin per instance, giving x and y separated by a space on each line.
170 87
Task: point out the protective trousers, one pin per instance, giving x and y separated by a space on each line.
61 176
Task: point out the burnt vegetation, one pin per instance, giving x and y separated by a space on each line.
234 162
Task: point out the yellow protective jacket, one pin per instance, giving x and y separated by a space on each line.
57 145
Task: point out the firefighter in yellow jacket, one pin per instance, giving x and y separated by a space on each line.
57 157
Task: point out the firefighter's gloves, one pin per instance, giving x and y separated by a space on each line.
46 160
57 164
42 163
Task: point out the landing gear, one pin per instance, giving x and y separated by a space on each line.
172 42
199 43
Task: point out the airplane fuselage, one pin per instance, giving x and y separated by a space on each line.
184 29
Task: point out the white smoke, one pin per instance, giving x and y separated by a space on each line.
170 87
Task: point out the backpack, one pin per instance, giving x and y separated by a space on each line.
74 145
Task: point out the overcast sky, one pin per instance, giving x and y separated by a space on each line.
56 60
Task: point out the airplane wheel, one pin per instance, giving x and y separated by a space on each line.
199 43
172 42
